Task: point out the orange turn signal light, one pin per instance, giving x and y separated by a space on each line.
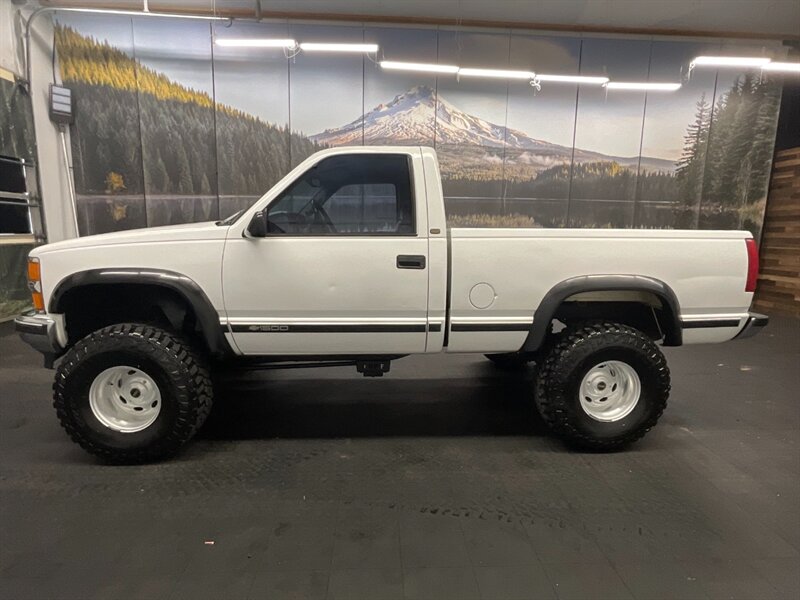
35 284
34 270
38 301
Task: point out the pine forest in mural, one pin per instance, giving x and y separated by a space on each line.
152 149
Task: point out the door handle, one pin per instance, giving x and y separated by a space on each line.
410 261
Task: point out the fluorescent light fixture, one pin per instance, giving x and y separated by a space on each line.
499 73
635 85
254 43
788 67
323 47
142 13
424 67
572 78
729 61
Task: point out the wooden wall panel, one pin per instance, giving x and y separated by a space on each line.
778 289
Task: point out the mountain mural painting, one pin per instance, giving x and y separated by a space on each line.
153 146
476 154
420 116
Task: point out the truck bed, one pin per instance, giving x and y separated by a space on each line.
705 269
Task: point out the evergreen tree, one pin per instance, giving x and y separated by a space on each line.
765 122
735 164
740 144
159 176
184 180
691 162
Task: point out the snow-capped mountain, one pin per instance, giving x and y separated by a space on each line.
410 117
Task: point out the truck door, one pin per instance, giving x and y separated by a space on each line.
343 266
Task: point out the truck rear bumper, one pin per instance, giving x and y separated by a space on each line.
41 332
755 323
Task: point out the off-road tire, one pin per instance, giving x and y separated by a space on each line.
509 361
577 349
179 370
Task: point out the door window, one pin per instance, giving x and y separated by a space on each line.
352 194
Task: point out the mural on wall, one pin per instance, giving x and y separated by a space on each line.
189 131
254 142
106 140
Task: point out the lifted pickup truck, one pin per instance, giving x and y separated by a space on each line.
349 260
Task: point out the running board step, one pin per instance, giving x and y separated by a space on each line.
373 368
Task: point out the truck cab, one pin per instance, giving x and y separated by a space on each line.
348 258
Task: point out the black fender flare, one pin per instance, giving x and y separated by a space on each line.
187 288
542 317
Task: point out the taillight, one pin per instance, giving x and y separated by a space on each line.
752 265
35 284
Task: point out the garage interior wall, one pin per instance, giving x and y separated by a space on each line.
16 238
172 128
53 182
779 282
16 145
29 134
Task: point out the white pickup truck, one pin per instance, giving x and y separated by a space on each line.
349 260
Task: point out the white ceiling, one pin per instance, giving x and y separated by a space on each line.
757 17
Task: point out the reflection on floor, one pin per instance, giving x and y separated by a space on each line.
437 481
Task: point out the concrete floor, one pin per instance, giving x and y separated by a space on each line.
437 481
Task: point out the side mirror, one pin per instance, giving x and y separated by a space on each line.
258 226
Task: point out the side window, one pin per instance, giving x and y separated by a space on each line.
352 194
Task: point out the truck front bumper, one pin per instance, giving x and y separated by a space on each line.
755 323
41 332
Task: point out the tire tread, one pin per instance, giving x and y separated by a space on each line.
594 336
194 401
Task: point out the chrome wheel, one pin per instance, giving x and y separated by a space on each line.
125 399
610 391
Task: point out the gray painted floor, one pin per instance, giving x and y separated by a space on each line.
437 481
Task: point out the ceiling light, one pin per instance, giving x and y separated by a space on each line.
789 67
729 61
142 13
500 73
572 79
320 47
634 85
254 43
424 67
